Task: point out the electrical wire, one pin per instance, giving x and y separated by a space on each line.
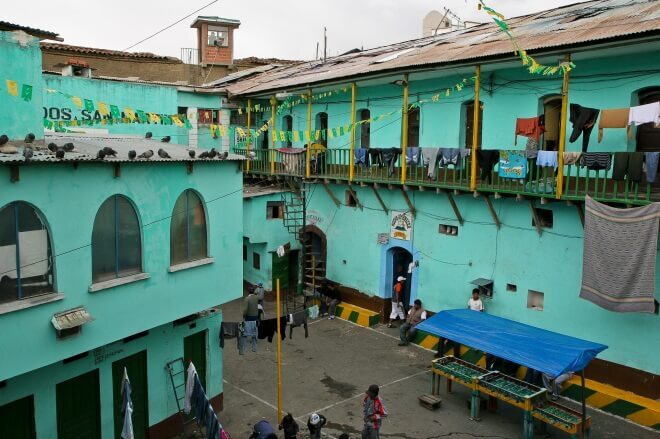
169 26
174 213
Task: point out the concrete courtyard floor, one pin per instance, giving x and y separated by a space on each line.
328 373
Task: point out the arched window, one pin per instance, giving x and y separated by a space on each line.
116 240
321 126
188 231
287 127
364 139
26 260
413 127
648 137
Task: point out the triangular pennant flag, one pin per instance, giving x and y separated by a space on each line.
240 132
114 111
103 108
324 133
176 120
331 133
77 101
89 105
26 92
130 114
187 123
282 136
341 131
296 136
317 134
307 135
274 136
12 87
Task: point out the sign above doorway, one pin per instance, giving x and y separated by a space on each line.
401 225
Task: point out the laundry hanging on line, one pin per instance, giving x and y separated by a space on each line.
613 118
196 399
583 120
647 113
298 319
628 164
513 164
268 329
531 128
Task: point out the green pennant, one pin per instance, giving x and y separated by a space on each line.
142 116
26 92
166 120
187 123
341 131
114 111
324 134
48 124
89 105
501 24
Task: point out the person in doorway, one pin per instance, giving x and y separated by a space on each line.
554 384
415 316
397 301
290 427
314 424
260 292
374 412
251 307
475 303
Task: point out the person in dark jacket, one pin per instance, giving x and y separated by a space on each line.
290 427
314 424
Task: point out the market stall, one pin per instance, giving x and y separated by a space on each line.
547 352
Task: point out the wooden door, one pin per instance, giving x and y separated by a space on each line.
79 407
17 419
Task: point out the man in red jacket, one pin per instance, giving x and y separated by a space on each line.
374 412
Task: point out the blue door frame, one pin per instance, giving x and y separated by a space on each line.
386 268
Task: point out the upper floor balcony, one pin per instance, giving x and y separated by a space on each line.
502 173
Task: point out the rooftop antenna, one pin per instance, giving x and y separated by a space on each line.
317 51
435 32
454 16
325 43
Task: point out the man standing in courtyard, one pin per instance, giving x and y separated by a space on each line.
415 315
374 412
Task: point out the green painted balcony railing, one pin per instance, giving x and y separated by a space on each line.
539 182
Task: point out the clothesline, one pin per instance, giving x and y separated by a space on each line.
196 399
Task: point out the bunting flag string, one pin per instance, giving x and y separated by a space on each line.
527 60
290 102
23 91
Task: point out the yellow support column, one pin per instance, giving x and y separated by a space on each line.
475 130
279 356
562 134
273 136
249 139
404 133
351 158
308 158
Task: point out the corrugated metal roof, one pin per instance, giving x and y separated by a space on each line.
39 33
56 47
592 21
87 146
71 318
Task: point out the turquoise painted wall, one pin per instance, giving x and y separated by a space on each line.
163 344
601 80
515 254
201 100
263 236
69 199
147 97
22 63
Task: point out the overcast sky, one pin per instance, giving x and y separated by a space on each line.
287 29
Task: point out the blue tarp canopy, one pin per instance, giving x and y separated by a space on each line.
536 348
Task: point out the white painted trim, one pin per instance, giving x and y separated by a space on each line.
191 264
29 303
117 282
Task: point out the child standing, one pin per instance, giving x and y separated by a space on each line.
397 301
475 303
290 427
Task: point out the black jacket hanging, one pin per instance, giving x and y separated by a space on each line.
583 120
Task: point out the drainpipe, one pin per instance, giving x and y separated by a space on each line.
351 158
249 139
273 108
475 129
562 133
404 135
